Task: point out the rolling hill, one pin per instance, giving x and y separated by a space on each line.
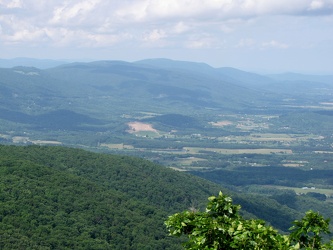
57 197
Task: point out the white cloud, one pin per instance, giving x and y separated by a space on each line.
317 4
154 35
275 44
34 37
11 4
145 10
73 13
62 37
180 28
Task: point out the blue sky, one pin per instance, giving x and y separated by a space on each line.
256 35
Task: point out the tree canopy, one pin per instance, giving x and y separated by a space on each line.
222 227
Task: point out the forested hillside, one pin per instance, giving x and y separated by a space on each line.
61 198
57 197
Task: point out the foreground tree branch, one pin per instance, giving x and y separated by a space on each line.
222 227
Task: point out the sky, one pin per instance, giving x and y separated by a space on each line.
272 36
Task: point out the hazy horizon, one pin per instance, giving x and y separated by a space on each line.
50 63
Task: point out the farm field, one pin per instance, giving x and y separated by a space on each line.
305 190
198 150
271 137
301 191
119 146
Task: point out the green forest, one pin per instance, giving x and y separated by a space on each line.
61 198
66 198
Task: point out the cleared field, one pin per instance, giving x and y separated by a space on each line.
20 139
117 146
294 164
269 137
305 190
221 123
42 142
139 126
250 125
150 134
23 139
142 129
197 150
189 160
272 137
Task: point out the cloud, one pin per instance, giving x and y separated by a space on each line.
11 4
317 4
181 27
144 10
195 23
27 35
275 44
77 12
154 35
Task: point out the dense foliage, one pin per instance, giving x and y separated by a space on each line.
221 227
66 198
62 198
43 208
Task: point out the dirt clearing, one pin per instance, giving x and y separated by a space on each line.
139 126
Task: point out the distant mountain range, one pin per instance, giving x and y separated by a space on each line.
102 89
31 62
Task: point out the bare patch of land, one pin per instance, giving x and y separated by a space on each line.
221 123
140 126
116 146
24 139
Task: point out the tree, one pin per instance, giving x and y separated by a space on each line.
222 227
307 232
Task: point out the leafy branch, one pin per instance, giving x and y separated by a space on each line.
222 227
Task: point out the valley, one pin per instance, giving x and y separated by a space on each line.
229 143
266 136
